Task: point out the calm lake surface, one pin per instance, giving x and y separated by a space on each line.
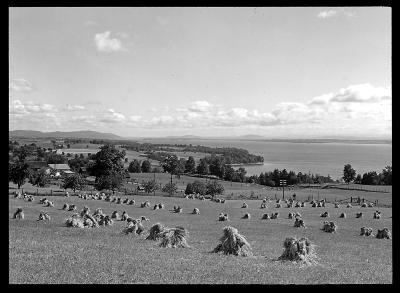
317 158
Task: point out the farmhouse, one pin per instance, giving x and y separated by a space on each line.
60 169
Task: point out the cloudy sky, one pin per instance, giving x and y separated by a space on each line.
276 72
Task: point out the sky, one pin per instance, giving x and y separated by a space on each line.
278 72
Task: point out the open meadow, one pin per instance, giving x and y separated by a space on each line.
50 252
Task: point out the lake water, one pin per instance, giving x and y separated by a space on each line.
317 158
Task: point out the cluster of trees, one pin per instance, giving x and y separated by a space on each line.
137 166
272 178
368 178
211 188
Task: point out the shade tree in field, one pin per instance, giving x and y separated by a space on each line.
213 188
150 186
18 173
196 187
107 161
111 181
39 178
349 174
202 167
134 166
190 165
146 166
170 188
74 182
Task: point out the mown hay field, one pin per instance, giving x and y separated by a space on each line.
50 252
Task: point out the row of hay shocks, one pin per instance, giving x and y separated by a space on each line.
195 196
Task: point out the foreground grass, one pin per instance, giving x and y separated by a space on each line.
49 252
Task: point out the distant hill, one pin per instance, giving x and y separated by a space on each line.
60 134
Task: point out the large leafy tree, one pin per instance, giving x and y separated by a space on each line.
146 166
110 181
39 178
74 182
387 175
18 173
134 166
107 161
171 165
196 187
217 166
170 188
150 186
203 167
213 188
190 165
349 174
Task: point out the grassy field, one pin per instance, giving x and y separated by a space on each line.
49 252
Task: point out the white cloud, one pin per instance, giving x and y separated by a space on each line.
110 116
74 107
199 106
105 44
331 13
327 13
20 85
29 107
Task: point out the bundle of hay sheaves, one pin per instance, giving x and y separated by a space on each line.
264 205
78 221
131 202
170 237
196 211
145 204
370 205
384 234
124 216
337 205
377 215
291 215
118 200
342 215
349 205
19 214
366 231
72 207
329 227
359 215
265 217
223 217
177 209
298 250
158 206
244 205
364 205
115 215
233 243
43 216
274 216
289 205
65 207
299 223
297 205
125 201
325 214
134 227
278 205
85 211
246 216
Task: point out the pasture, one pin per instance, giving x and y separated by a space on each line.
50 252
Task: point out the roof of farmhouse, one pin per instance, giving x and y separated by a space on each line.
59 166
